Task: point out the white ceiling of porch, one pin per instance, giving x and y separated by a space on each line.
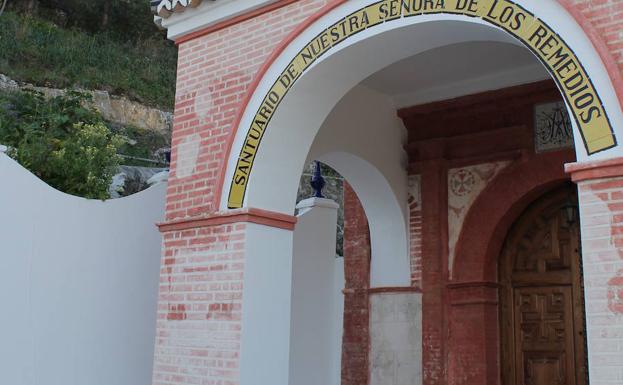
456 70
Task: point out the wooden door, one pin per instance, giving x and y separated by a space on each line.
541 297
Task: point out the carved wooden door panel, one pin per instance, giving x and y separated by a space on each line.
544 346
541 296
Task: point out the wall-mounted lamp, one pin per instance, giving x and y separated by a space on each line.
570 212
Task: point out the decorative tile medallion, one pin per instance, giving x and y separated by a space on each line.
462 182
552 127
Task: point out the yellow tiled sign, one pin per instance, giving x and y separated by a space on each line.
570 75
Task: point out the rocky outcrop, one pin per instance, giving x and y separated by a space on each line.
115 109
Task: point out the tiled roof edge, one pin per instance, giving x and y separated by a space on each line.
165 8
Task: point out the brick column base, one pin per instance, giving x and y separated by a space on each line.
473 337
209 266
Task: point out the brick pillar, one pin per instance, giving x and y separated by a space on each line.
601 214
434 265
356 303
210 266
473 343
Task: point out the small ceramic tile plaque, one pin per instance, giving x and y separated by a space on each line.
552 127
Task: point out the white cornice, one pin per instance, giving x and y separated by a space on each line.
208 13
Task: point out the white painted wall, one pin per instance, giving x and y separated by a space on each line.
79 284
207 14
317 299
396 339
267 293
362 138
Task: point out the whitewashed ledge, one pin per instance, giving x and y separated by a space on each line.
165 8
181 17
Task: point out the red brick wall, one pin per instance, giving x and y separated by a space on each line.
355 347
214 72
434 268
415 236
199 306
201 278
460 315
607 17
602 252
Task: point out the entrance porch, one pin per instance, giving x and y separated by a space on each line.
479 145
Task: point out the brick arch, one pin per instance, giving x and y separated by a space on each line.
472 307
607 60
482 236
600 46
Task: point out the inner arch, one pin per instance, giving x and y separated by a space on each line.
296 116
302 112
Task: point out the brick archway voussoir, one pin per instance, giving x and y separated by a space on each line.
482 236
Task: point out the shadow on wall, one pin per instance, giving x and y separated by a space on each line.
80 283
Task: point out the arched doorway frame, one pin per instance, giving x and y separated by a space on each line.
548 206
591 51
473 290
312 99
481 238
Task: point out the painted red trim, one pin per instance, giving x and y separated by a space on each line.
600 46
385 290
234 20
256 82
249 215
595 169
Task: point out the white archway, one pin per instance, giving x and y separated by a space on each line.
302 114
376 174
298 116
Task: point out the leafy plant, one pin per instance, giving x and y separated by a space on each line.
60 140
142 143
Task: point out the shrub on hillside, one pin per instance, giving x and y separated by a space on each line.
128 19
62 142
40 52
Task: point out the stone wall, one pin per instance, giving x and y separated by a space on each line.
119 110
395 339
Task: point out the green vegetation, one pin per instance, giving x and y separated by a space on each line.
109 45
59 140
122 53
126 19
142 143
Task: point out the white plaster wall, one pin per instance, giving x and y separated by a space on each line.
339 282
79 284
396 339
208 13
266 314
365 125
363 140
317 299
